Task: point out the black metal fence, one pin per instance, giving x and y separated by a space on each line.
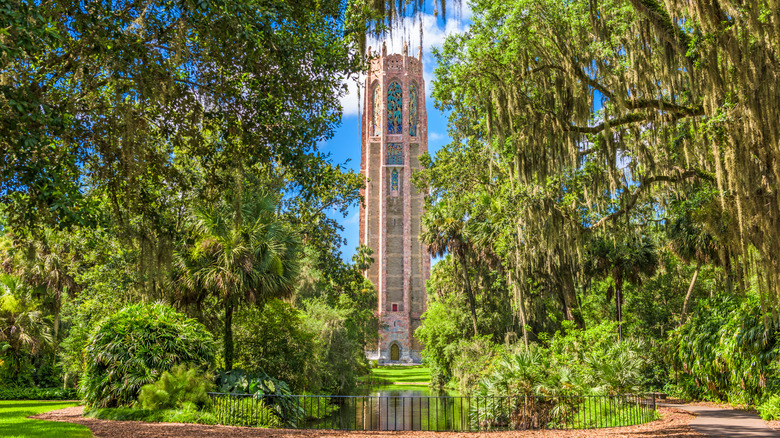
433 413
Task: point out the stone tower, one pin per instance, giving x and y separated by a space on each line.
395 133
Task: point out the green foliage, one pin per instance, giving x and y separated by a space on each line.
578 362
340 331
24 331
38 394
727 351
442 327
177 387
249 411
133 348
276 341
770 408
186 414
238 382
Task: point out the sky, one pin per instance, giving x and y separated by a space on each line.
344 147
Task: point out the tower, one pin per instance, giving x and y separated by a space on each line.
395 133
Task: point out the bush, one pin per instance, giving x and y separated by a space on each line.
727 351
133 347
38 394
177 388
276 341
246 411
770 408
154 416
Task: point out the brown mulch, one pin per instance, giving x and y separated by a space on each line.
673 423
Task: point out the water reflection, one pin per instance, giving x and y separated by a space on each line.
396 407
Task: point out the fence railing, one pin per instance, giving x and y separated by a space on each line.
433 413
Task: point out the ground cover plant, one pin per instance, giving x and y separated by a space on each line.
14 422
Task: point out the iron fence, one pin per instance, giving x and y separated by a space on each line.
433 413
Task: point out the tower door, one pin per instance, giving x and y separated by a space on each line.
394 352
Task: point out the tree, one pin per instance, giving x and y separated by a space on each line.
242 255
443 233
691 243
601 109
624 261
24 330
113 106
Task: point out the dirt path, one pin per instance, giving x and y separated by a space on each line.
718 422
673 423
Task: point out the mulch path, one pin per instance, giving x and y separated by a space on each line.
674 422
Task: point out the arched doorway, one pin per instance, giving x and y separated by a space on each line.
395 352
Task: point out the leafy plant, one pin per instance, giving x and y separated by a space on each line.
133 347
727 351
770 408
177 387
38 394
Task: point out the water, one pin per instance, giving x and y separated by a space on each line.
396 407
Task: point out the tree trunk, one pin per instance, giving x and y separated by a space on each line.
690 291
569 296
228 335
619 299
520 306
469 293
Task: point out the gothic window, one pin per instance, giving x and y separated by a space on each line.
376 108
394 107
395 154
413 109
394 180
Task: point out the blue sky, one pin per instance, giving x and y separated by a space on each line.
345 145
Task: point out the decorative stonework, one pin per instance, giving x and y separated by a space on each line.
413 109
395 134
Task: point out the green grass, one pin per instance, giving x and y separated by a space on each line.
13 421
388 375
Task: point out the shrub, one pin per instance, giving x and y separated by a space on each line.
246 411
260 384
176 388
276 341
154 416
133 347
727 351
38 394
770 408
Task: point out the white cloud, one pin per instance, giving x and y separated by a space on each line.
351 101
353 219
435 136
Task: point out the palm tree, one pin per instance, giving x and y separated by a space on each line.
443 233
23 328
239 257
623 261
44 263
690 242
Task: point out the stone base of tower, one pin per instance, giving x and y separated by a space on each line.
397 345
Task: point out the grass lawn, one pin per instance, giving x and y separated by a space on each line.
13 421
401 375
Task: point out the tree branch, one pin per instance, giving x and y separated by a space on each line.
682 174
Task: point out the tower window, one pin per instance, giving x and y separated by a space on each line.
395 154
394 108
376 101
394 180
413 109
395 307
